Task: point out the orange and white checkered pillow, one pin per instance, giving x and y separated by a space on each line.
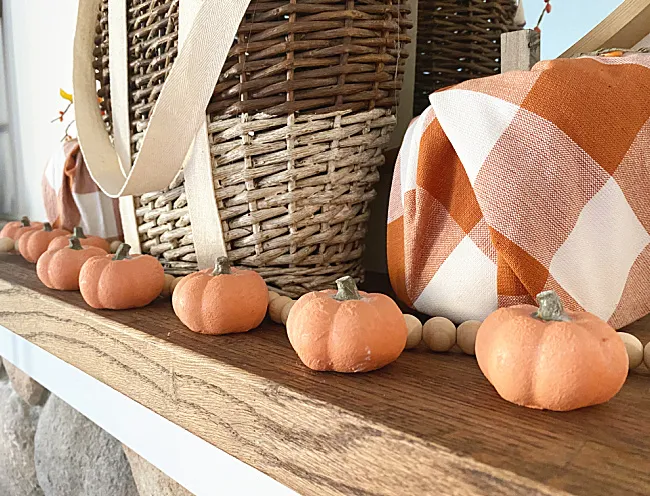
512 184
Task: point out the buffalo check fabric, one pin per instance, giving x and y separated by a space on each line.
512 184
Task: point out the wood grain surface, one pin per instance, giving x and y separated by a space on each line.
520 50
427 424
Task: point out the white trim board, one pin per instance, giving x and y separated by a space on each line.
194 463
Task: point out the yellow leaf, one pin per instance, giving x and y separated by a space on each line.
65 95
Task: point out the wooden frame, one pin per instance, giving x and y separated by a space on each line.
626 27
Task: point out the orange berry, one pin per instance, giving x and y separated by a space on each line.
548 8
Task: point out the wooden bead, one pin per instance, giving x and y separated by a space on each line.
284 314
174 283
466 336
414 327
115 245
167 287
646 355
275 308
634 349
439 334
6 245
273 295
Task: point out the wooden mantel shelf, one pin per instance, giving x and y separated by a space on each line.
427 424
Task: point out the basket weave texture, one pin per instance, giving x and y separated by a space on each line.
297 124
458 40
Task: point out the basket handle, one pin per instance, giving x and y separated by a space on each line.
178 113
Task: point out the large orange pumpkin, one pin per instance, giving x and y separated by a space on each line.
121 281
16 228
346 331
549 359
59 269
78 232
222 300
32 244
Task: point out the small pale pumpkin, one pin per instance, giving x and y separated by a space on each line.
59 269
121 281
32 244
346 331
78 232
16 228
222 300
547 359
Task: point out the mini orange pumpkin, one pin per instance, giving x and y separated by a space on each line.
120 281
32 244
548 359
59 269
78 232
221 301
16 228
346 331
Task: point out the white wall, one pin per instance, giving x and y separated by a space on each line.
38 37
7 173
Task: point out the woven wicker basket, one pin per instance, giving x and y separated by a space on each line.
458 40
297 125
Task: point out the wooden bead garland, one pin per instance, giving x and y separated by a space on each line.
284 313
439 334
466 336
174 283
167 288
414 327
275 308
6 245
634 349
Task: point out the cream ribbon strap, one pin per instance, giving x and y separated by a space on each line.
179 112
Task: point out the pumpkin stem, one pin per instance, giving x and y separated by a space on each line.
75 244
78 232
47 227
25 221
221 267
122 252
347 289
550 307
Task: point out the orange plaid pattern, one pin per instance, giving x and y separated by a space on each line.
512 184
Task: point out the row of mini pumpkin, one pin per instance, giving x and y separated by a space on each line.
584 362
70 262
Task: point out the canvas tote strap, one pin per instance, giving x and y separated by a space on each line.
179 112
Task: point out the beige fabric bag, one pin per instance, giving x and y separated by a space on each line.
207 28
